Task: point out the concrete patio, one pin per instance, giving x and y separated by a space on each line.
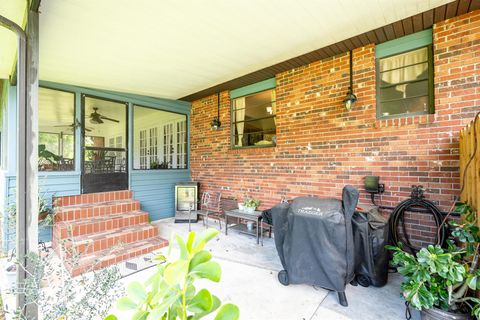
249 279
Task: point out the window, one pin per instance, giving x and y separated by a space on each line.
253 115
56 123
405 78
160 139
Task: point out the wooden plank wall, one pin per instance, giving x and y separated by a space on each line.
470 176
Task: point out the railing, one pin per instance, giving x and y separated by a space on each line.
99 160
470 163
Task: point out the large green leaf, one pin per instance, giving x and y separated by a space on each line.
183 248
210 270
201 302
206 236
200 257
228 312
125 303
157 312
190 241
136 292
110 317
215 305
175 272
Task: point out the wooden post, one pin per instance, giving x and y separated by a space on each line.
27 157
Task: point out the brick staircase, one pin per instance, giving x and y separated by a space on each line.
92 231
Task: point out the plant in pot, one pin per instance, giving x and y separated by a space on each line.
240 198
46 214
441 282
251 204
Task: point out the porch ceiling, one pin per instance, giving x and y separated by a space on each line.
173 48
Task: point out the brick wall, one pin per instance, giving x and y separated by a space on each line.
321 147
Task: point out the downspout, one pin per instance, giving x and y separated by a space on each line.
27 220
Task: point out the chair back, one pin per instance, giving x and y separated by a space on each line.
211 201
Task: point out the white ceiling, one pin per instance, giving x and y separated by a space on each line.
172 48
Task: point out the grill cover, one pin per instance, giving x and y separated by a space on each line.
370 233
314 239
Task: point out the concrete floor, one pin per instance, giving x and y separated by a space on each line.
249 280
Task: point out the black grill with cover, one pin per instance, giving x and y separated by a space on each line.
314 241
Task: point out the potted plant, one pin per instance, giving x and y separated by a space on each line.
46 214
441 282
240 198
251 205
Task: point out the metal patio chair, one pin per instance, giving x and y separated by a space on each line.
210 205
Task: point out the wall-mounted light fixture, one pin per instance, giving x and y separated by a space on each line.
215 124
351 98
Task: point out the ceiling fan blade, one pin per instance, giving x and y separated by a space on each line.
88 130
109 119
96 120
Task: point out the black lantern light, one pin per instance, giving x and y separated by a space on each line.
215 124
351 98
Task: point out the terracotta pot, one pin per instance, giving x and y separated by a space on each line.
42 215
439 314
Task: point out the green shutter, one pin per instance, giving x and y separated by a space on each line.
253 88
403 44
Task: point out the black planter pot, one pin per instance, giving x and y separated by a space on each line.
439 314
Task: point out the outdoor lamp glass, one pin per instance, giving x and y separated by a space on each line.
215 124
350 99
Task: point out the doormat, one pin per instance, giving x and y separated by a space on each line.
138 264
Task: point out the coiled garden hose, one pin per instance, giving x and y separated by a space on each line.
397 217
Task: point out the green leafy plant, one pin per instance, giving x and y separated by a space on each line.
251 203
46 214
444 277
170 293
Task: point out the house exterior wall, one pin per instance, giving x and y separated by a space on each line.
321 147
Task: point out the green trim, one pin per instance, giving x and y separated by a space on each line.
403 44
253 88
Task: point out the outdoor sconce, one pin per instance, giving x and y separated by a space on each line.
351 98
373 186
215 124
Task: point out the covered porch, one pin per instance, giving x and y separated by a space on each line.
108 105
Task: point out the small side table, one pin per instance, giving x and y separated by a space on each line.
255 217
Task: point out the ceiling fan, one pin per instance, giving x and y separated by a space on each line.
97 118
73 126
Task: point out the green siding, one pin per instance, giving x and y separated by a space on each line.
156 190
256 87
404 44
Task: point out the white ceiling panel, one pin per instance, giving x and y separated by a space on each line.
172 48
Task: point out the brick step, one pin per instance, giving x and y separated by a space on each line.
84 211
87 226
92 198
104 240
104 258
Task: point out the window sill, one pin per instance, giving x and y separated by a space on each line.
405 120
253 150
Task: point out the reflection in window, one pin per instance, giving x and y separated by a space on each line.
160 139
253 120
404 85
56 130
